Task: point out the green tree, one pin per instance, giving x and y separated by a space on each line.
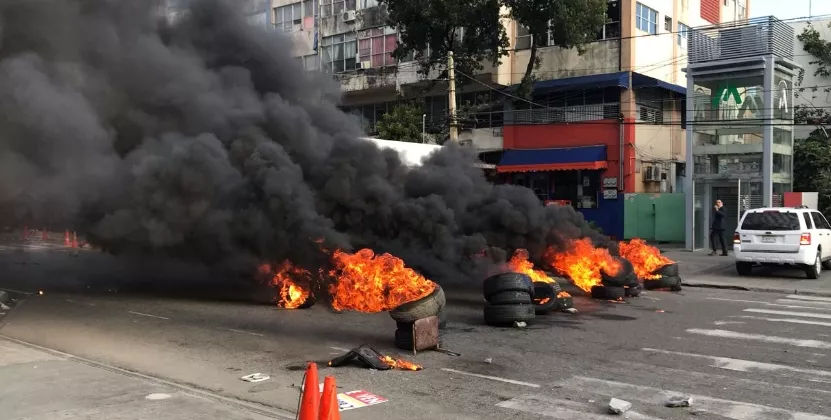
431 28
820 49
403 123
812 167
561 23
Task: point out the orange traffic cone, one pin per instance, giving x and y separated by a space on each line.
25 232
310 398
329 409
66 238
75 239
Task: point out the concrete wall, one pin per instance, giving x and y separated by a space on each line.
600 57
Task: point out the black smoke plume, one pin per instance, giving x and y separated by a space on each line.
204 140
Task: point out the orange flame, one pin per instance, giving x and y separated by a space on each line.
519 264
541 301
366 282
293 282
644 258
563 294
400 363
583 263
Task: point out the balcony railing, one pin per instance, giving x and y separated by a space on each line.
568 114
741 39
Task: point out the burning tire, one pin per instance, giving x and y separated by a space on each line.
427 306
498 315
507 282
633 291
671 282
669 270
563 303
545 297
608 292
510 298
626 276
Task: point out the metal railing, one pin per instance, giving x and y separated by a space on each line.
741 39
568 114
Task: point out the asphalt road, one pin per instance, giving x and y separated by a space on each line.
740 355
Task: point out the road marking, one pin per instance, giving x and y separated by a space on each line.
740 365
727 322
805 302
17 291
143 314
493 378
736 410
764 338
245 332
790 320
339 349
564 409
776 304
809 298
791 313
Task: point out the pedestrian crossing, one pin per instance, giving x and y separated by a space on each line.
792 330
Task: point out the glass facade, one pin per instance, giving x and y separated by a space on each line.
738 121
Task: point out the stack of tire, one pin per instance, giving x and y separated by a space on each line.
510 299
668 279
407 314
616 286
546 297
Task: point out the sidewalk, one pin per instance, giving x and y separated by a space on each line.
697 269
36 384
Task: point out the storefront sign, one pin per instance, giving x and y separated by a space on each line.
610 182
609 194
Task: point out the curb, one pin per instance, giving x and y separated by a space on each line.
757 289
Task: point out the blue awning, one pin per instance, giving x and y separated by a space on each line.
642 80
619 79
565 158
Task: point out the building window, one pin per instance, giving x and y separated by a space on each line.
311 62
682 34
611 30
366 4
523 38
375 48
334 7
310 8
667 23
646 19
286 17
338 53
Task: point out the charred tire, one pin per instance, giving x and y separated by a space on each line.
427 306
310 301
624 277
507 282
544 291
744 268
671 282
633 291
508 314
669 270
608 292
510 298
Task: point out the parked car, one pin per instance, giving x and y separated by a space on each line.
796 236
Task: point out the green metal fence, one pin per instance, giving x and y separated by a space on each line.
654 217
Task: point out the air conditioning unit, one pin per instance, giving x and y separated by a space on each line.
364 64
348 16
652 174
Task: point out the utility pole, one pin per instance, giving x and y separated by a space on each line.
451 97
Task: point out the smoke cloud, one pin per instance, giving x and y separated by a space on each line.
206 141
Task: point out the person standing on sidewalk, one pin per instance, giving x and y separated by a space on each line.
717 228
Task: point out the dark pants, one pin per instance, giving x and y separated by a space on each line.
718 233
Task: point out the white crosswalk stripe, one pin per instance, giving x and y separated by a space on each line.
779 326
646 397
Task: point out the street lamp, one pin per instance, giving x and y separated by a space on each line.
424 128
